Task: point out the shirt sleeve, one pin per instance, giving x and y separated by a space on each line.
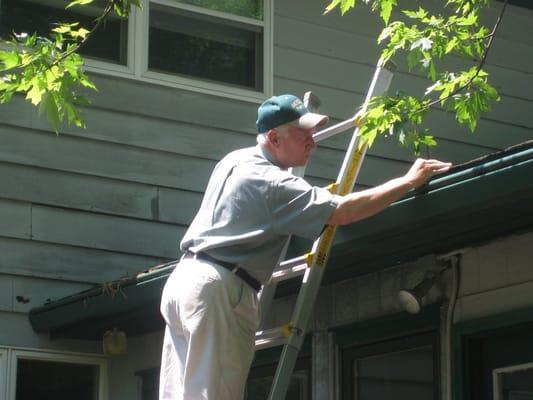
299 208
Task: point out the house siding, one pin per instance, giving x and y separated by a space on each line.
89 206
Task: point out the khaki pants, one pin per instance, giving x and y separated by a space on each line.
211 317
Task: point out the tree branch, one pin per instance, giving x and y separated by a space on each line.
98 21
480 66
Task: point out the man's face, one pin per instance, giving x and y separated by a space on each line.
296 145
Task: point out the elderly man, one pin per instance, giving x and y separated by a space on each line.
251 205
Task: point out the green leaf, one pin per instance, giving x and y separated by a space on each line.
65 28
48 106
78 2
451 45
332 5
35 94
10 59
386 9
385 33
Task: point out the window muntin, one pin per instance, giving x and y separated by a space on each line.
108 43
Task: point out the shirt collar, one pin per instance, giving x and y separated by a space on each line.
268 155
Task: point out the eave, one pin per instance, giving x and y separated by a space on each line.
475 202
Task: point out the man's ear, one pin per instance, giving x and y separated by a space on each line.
273 137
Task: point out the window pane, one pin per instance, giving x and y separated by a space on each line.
108 43
149 383
517 385
244 8
404 375
46 380
518 3
258 388
205 47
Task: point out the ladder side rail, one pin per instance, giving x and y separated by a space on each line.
313 276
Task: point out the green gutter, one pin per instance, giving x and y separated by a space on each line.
492 162
112 297
481 186
462 208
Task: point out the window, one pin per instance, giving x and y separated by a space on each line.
261 378
520 3
53 376
209 46
499 361
403 368
513 383
3 374
149 383
205 47
39 16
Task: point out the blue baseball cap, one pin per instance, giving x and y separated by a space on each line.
285 109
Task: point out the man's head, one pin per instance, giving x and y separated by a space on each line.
288 128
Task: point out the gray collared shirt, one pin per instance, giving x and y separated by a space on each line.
250 208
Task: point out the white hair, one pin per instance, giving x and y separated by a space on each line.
262 137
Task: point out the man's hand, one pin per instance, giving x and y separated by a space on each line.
356 206
422 170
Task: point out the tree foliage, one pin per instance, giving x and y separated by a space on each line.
425 40
49 70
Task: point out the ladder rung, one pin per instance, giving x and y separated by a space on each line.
270 338
334 129
275 336
291 268
288 273
294 262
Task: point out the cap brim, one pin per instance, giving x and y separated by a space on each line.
311 120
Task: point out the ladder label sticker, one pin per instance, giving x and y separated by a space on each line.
325 244
321 258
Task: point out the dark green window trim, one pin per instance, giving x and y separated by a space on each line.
479 326
149 378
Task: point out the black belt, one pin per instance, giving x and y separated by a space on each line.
241 273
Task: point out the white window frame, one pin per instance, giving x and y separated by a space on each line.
497 374
137 57
3 374
114 69
136 67
56 356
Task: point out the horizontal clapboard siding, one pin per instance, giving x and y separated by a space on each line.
15 219
104 232
92 205
69 263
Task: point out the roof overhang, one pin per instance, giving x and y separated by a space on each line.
475 202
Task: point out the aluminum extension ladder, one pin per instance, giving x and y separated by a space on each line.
312 264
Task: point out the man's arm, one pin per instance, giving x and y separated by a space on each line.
356 206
